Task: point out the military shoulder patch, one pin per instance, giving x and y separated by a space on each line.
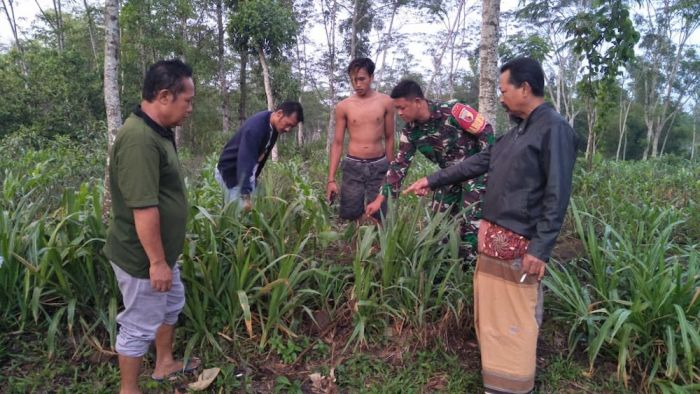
468 118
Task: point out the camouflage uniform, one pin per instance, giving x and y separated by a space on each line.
444 142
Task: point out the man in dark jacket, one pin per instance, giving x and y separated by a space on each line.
245 154
529 186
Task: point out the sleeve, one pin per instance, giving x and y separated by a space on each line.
248 152
469 168
399 166
469 119
137 162
558 158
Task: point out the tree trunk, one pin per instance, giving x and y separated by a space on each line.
384 45
59 25
329 23
590 144
692 146
268 93
111 89
243 87
622 126
91 30
450 34
670 128
353 34
488 60
9 8
302 72
223 86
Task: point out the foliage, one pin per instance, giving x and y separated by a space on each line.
633 297
255 27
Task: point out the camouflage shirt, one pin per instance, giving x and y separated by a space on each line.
445 142
442 141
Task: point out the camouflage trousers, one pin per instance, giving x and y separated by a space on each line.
465 201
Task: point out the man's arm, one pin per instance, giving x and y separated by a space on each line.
558 156
147 222
336 149
248 152
389 129
394 176
469 168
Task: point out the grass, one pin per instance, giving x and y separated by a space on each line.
285 290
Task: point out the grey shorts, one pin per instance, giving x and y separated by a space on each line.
362 180
145 310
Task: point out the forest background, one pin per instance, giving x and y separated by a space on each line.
288 291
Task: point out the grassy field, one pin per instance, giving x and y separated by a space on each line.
286 298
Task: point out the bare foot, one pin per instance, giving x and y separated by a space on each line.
167 369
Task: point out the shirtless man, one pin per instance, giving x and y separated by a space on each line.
369 118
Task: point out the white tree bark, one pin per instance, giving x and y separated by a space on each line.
111 88
624 113
488 59
111 67
91 30
386 41
223 85
268 93
692 146
330 10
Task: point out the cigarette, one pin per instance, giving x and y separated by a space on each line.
522 278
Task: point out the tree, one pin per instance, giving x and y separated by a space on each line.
267 33
668 27
223 85
330 15
111 85
383 45
605 38
448 42
544 37
8 7
488 59
356 28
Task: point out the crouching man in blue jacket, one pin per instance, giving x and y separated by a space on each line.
245 154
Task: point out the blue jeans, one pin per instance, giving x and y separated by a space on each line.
231 193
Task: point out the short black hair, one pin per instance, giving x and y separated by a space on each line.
407 89
290 108
361 63
165 74
525 69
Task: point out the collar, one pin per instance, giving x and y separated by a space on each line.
434 109
522 124
164 132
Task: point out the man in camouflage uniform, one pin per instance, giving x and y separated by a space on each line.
445 133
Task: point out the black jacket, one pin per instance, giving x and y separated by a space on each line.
249 147
529 183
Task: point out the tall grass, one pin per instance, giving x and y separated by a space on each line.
53 269
633 297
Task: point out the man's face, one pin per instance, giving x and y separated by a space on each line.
407 109
511 96
177 109
361 81
283 124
